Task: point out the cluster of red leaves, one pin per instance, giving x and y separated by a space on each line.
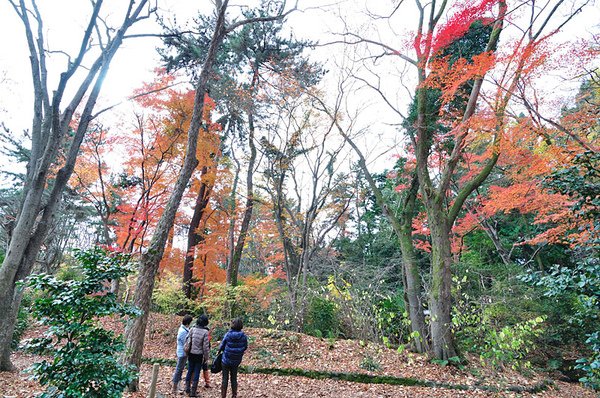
420 232
527 157
457 25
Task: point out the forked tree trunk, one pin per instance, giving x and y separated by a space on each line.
39 205
440 298
439 216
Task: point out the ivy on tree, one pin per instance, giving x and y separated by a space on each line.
83 360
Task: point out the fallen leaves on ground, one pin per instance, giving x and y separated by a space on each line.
271 348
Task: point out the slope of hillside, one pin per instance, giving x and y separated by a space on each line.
316 367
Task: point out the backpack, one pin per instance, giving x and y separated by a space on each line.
187 345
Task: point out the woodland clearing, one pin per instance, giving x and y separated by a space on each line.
272 349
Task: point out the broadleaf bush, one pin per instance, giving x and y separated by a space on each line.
84 362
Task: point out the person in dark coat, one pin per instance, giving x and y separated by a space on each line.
233 346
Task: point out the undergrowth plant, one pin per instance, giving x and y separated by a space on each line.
370 364
83 355
22 321
169 298
478 332
591 364
511 344
321 320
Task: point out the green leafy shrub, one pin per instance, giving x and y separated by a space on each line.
500 336
511 344
392 319
370 364
321 318
168 296
507 346
83 360
591 365
582 278
583 284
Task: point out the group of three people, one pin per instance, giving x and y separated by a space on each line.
233 345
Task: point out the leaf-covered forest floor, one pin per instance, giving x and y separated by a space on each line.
271 349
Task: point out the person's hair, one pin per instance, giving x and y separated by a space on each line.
187 319
202 320
237 324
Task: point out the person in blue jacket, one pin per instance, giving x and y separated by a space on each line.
182 333
233 346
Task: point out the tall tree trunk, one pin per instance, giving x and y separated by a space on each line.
12 321
150 261
39 207
412 277
236 255
402 227
441 281
234 265
291 259
194 237
231 208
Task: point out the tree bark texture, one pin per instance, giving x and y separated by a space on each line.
234 266
440 298
412 277
194 236
49 126
402 227
150 261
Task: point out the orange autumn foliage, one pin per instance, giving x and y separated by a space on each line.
529 146
528 154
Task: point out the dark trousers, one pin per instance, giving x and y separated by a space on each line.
179 369
227 370
193 374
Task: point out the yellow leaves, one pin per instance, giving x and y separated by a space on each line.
338 291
